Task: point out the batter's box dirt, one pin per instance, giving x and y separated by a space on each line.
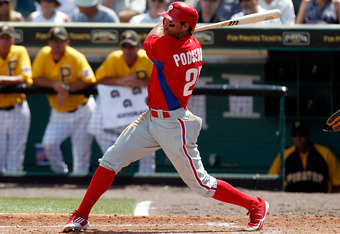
53 223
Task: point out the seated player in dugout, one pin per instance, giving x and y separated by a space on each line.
310 167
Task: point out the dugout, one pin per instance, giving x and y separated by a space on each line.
241 135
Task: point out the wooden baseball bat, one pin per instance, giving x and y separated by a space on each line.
247 19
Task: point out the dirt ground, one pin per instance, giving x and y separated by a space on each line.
179 210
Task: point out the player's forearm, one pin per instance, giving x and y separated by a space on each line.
110 81
45 83
58 86
79 85
138 83
143 83
128 80
11 80
157 30
302 12
125 16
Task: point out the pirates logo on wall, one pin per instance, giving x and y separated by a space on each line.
104 36
136 91
127 103
115 93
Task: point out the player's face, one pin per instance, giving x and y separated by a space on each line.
6 42
130 52
300 140
174 28
248 5
47 6
4 7
157 6
58 46
209 6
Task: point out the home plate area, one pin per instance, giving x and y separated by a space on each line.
53 223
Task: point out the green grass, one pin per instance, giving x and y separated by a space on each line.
65 205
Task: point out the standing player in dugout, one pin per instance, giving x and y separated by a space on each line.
168 124
15 116
64 69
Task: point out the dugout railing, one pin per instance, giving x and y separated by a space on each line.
262 181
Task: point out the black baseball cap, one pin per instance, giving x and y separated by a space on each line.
299 127
7 30
59 32
129 36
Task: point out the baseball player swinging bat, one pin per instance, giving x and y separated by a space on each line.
247 19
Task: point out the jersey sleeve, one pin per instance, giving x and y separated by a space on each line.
334 168
106 69
333 165
146 63
24 66
149 67
275 167
85 71
38 64
150 46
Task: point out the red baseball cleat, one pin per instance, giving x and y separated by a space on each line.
76 222
257 214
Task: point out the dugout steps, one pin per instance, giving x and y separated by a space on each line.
249 181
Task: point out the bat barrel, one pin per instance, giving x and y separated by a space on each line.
247 19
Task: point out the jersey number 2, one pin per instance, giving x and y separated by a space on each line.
191 76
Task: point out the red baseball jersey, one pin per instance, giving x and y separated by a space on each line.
177 65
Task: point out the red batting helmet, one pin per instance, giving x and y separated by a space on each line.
181 12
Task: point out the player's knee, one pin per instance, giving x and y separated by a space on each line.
107 165
204 191
206 187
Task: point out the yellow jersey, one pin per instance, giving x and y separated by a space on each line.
305 159
17 63
115 66
72 67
